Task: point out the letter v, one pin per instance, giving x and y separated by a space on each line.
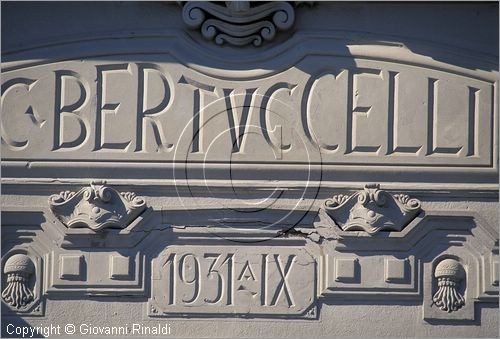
238 132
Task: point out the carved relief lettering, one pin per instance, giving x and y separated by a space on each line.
235 280
375 112
363 113
238 131
106 110
323 118
149 115
71 93
274 134
399 118
14 142
198 107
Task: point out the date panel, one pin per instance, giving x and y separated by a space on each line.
233 280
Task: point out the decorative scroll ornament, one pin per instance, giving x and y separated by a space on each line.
449 274
19 269
96 207
239 23
372 210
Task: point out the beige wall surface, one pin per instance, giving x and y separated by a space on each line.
249 169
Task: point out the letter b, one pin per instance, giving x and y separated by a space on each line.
64 113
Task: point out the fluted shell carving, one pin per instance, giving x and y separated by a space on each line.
372 210
239 23
96 207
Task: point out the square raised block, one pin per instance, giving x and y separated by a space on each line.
347 270
119 267
71 267
396 270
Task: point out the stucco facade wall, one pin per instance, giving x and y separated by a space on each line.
250 169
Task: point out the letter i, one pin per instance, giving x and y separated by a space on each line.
263 280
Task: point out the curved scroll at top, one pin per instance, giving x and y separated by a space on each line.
238 23
96 207
372 210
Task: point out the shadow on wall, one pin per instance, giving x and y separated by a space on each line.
13 326
457 34
417 308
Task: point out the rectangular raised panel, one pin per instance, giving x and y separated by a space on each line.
72 267
382 113
396 270
359 276
119 267
245 280
347 270
489 286
494 273
98 273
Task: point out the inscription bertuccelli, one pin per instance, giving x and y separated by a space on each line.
232 280
371 113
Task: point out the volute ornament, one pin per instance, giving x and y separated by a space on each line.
239 23
96 207
372 210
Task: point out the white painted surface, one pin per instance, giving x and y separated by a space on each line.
128 187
